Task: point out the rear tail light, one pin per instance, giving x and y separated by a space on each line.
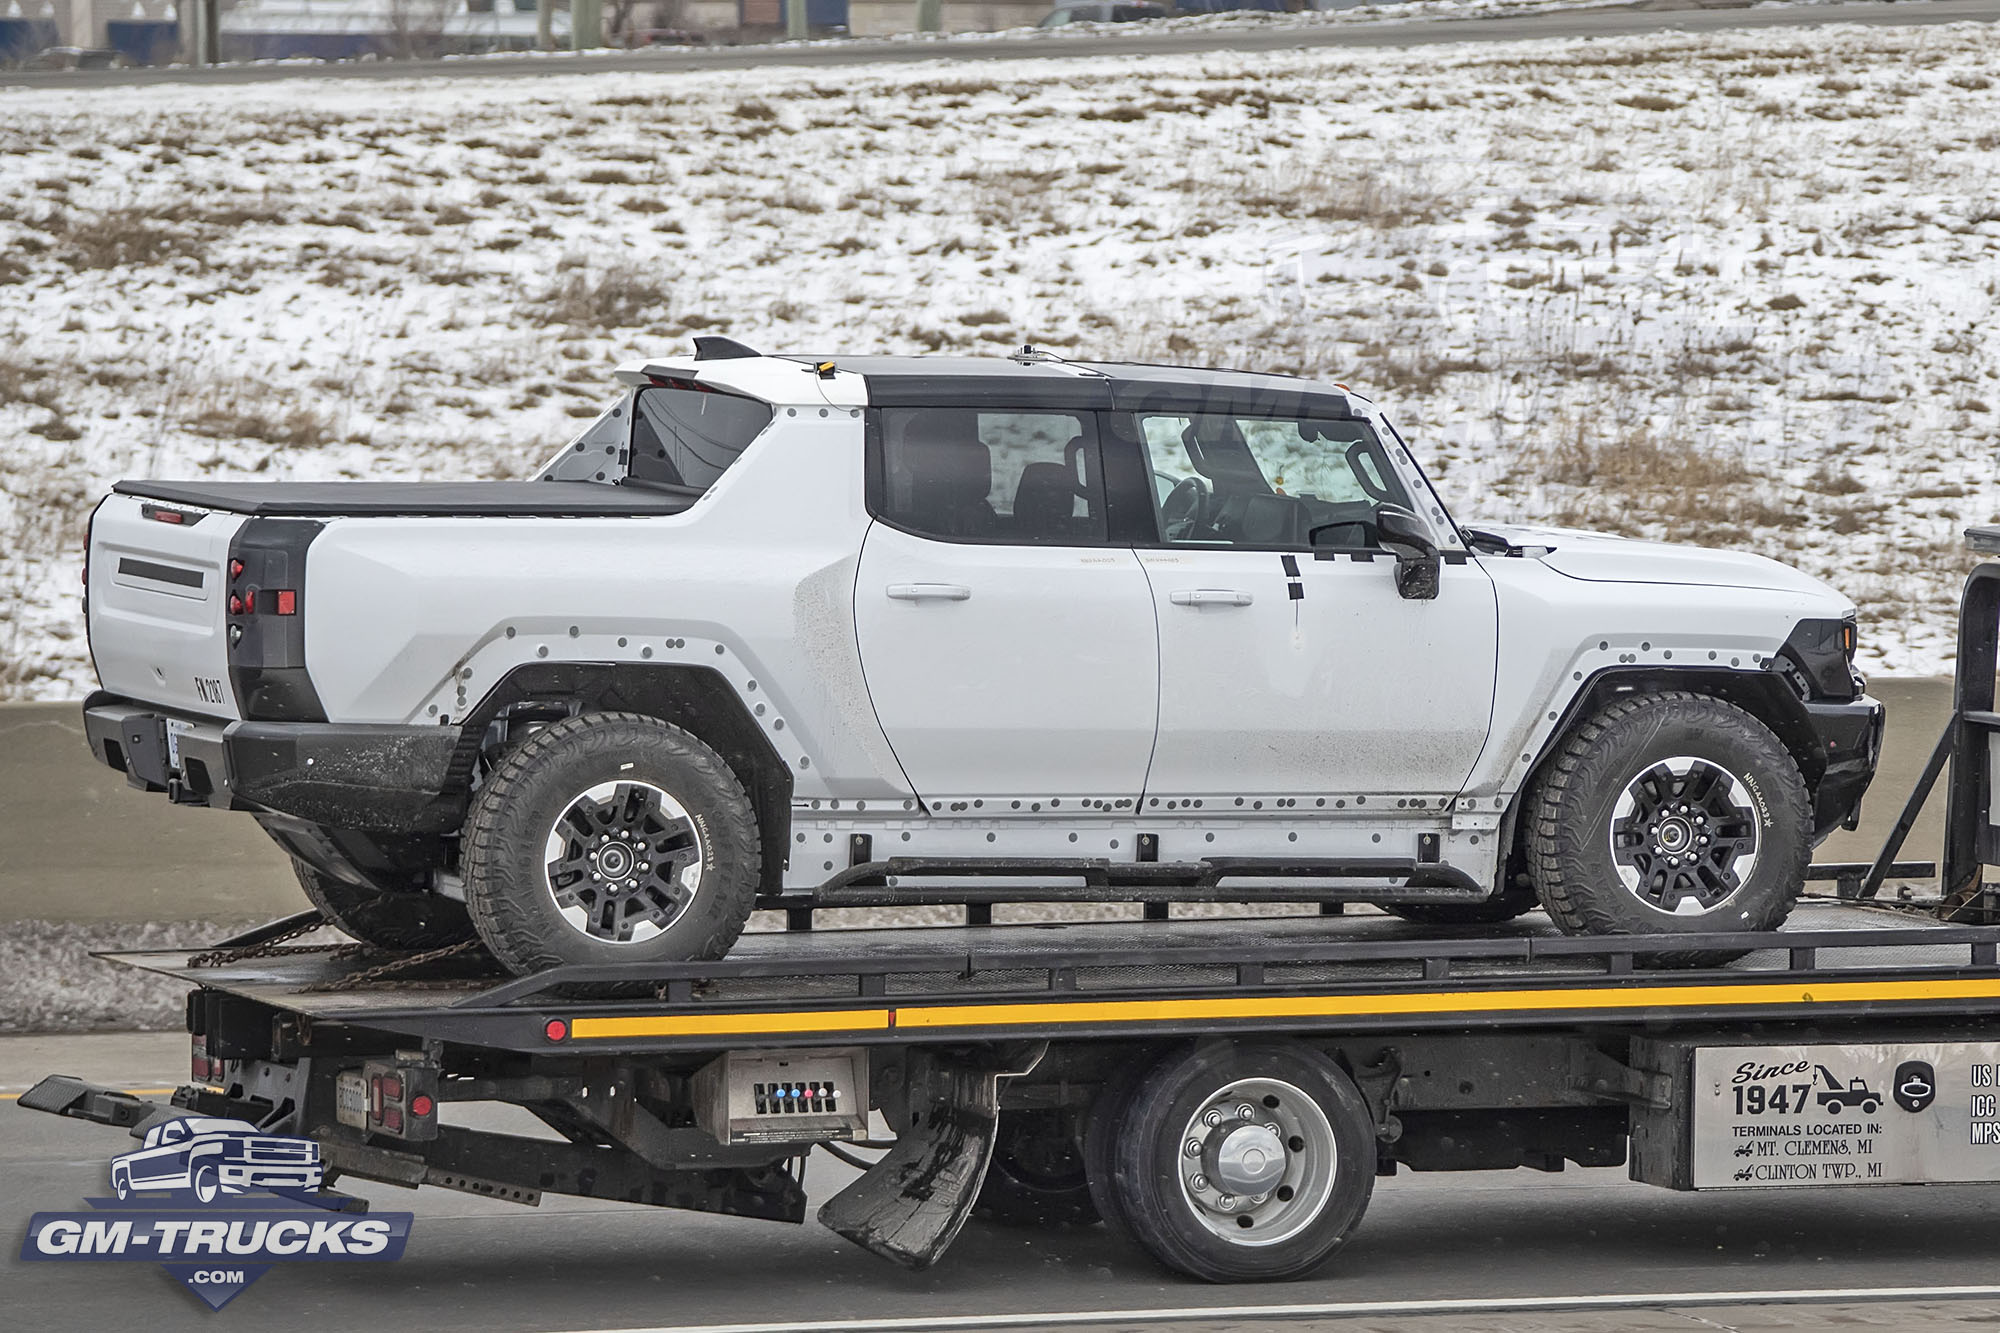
288 602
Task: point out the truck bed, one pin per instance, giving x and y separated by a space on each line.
1130 978
413 499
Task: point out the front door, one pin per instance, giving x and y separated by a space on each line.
1008 649
1290 668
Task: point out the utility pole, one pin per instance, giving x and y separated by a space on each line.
586 24
930 15
201 35
797 29
545 12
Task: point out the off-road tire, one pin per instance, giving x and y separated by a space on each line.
1150 1163
506 884
1036 1177
398 920
1570 813
1502 906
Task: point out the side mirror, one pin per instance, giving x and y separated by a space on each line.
1403 535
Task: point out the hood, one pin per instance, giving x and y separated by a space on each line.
1599 557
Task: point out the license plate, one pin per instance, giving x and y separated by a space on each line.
350 1099
175 730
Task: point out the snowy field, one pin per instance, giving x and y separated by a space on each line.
1736 288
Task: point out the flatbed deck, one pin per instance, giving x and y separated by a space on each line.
1117 978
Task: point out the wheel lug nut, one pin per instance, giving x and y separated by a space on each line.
1192 1147
1211 1118
1226 1202
1197 1181
1245 1110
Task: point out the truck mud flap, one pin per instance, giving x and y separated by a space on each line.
909 1206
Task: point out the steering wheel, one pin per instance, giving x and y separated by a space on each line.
1185 510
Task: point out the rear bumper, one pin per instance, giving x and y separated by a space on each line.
392 779
1850 738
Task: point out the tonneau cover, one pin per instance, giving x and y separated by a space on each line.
416 499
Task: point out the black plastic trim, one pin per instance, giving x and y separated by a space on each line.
267 651
1038 391
387 778
415 499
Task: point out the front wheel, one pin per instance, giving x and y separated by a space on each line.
1670 814
610 838
1244 1162
207 1184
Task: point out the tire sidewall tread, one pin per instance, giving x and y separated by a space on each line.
506 829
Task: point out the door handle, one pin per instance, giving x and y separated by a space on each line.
929 592
1209 597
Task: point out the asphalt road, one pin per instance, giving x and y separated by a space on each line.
1483 1239
1653 16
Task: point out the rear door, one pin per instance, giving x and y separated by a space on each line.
157 600
1008 648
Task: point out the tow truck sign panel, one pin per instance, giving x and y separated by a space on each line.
1846 1115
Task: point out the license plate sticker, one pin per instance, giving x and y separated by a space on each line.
175 730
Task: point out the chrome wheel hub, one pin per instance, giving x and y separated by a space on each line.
1257 1162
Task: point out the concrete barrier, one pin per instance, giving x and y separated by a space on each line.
78 845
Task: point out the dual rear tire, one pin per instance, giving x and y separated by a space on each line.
1232 1161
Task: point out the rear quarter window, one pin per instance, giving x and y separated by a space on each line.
688 436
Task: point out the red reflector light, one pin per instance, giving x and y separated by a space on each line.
392 1119
556 1030
392 1089
235 605
250 602
288 602
421 1105
235 569
169 516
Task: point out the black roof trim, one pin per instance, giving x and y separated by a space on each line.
1238 400
1028 392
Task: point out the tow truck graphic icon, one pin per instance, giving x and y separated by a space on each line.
1836 1098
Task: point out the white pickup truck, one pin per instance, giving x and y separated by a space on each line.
775 625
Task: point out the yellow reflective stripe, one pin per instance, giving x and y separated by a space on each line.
1434 1002
1285 1006
722 1025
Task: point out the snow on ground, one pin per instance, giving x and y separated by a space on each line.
1736 288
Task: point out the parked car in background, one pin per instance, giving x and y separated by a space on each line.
1103 11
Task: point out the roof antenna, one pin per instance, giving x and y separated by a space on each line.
1030 355
712 347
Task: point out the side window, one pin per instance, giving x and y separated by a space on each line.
965 474
1268 481
687 436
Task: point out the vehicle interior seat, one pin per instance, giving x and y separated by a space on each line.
949 473
1045 504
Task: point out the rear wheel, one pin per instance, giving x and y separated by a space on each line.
1036 1177
610 838
1244 1162
1670 814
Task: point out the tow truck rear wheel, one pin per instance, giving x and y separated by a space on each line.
1244 1162
1036 1177
388 919
1670 813
610 838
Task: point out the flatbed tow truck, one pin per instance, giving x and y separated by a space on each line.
1224 1089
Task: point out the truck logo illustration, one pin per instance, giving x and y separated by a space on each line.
1837 1098
1915 1086
210 1157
